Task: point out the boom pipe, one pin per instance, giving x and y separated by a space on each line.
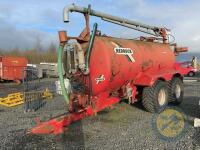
110 18
132 27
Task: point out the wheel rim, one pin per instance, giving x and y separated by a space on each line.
162 97
190 74
177 91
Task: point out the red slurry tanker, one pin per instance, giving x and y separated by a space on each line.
107 69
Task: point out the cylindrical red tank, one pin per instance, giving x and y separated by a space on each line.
115 61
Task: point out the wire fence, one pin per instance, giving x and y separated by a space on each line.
34 88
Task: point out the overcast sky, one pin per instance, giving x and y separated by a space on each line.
23 22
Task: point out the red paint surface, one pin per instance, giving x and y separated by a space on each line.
56 126
152 61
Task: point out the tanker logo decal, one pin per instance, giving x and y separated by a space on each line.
124 51
100 79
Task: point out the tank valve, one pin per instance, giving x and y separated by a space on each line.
131 92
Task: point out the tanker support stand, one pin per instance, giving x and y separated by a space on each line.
108 69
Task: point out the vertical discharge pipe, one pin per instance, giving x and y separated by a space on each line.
89 49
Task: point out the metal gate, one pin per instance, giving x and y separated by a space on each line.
36 90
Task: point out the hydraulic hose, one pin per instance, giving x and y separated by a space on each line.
91 42
60 67
60 74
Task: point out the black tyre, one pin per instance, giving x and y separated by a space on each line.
155 98
176 90
191 74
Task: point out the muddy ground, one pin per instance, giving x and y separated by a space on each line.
124 127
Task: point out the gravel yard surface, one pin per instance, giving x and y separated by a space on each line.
123 127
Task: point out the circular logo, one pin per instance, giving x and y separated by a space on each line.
170 124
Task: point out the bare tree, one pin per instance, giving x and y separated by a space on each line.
52 48
38 43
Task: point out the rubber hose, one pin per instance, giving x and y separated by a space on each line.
60 74
91 41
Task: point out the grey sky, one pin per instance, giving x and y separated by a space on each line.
24 21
